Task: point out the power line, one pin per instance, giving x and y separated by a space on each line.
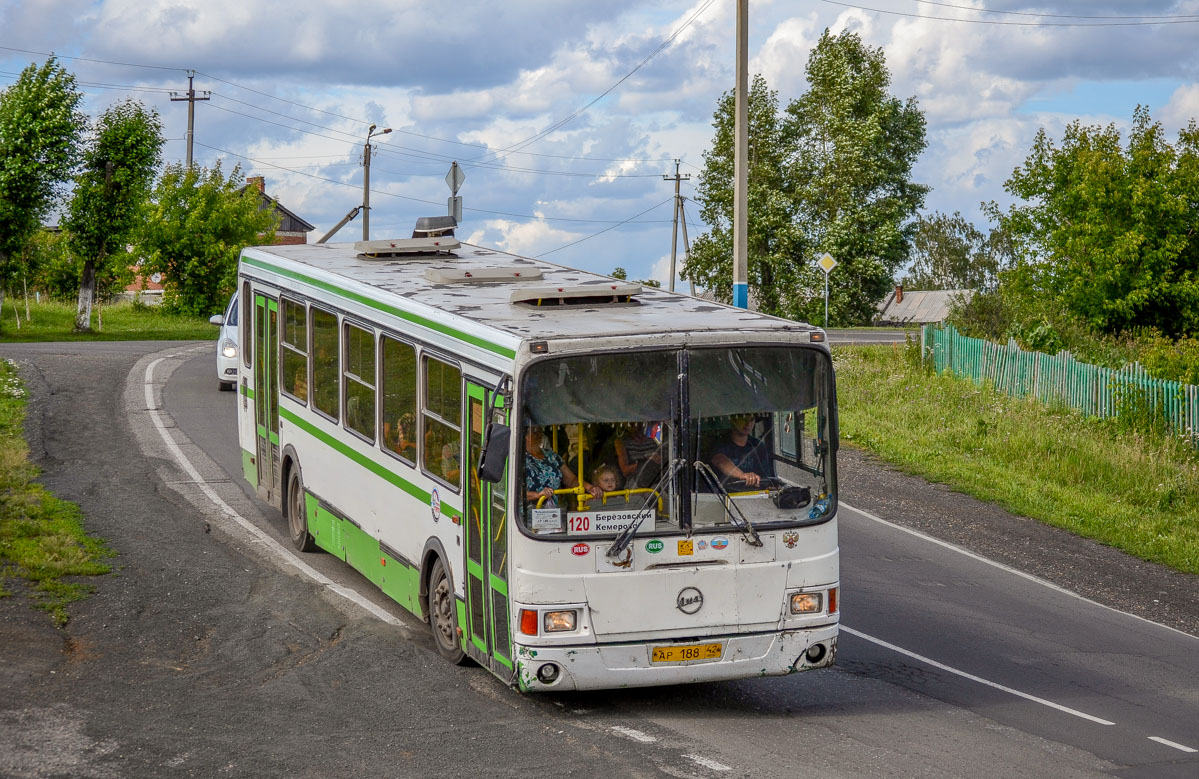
1050 16
88 59
1012 24
606 229
319 110
415 199
561 122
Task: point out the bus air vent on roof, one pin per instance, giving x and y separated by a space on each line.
394 247
480 275
605 293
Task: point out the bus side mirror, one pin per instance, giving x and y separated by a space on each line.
495 453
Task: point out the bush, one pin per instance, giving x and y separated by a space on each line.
1171 360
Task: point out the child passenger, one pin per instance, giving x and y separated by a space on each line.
605 477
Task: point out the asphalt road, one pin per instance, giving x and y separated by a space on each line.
215 651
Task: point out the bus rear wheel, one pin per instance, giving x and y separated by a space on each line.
442 615
297 516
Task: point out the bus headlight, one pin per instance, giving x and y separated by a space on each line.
229 349
807 602
560 621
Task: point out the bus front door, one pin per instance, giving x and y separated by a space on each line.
487 632
266 396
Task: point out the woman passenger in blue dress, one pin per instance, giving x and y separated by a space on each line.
545 471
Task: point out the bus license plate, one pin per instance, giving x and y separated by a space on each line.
685 653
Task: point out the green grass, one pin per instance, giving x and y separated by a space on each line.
41 537
55 321
1138 492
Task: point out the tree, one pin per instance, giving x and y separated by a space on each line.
110 197
40 126
776 249
832 173
951 253
1110 230
855 146
198 223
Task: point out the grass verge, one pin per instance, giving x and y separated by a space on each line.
1138 492
41 537
125 321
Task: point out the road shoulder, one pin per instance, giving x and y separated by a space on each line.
1097 572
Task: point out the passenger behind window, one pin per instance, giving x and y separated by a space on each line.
545 471
741 456
639 455
402 437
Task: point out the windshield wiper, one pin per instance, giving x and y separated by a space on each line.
747 528
626 535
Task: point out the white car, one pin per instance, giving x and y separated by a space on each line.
226 346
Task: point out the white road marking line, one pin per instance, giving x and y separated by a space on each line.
634 734
1181 747
974 678
273 547
1008 568
708 762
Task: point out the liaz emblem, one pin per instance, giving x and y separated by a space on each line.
791 539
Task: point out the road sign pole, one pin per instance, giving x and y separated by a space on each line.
826 263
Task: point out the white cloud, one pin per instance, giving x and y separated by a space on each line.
1182 108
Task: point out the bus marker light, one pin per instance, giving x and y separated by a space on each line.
806 602
560 621
528 622
832 600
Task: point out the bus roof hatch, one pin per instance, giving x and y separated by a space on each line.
577 295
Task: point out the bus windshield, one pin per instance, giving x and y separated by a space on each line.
703 439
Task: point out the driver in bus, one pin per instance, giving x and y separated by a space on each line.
545 471
743 457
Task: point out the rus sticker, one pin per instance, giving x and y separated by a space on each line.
654 546
580 550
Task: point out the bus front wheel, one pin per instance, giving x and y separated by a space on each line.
297 517
442 611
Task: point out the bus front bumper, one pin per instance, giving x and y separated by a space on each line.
607 666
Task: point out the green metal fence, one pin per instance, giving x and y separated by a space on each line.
1098 392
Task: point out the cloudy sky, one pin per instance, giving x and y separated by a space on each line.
565 115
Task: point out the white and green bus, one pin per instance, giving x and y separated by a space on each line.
578 482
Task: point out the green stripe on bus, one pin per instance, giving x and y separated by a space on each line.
247 391
364 461
363 299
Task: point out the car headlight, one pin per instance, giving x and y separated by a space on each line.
807 602
229 349
560 621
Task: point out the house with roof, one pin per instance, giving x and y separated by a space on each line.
292 229
918 307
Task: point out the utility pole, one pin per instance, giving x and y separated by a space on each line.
366 181
740 166
686 244
191 99
678 207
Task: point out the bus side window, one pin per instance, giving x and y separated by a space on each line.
326 395
441 416
359 379
294 373
399 398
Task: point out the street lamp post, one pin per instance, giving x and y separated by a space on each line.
366 181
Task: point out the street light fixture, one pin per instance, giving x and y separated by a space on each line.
366 180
